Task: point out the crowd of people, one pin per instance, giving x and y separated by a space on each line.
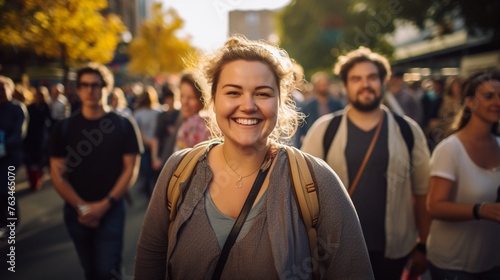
407 176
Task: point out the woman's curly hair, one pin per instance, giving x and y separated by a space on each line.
280 64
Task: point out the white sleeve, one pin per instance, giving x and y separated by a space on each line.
444 160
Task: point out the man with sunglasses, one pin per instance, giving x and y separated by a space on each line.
93 162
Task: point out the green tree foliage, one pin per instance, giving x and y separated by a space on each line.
316 32
478 15
157 49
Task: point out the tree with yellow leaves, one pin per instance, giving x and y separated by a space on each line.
157 49
72 30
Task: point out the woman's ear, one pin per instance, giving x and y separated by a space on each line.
470 102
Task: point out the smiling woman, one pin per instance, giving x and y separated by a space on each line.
243 181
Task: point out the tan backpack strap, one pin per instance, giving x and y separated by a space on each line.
306 194
180 175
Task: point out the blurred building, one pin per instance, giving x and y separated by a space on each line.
255 25
443 50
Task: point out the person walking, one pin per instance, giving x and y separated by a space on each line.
247 90
193 129
93 156
464 189
386 175
322 102
60 107
163 142
146 117
35 151
13 126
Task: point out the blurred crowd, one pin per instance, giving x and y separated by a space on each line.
170 117
167 117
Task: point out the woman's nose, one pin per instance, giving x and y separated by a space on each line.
248 103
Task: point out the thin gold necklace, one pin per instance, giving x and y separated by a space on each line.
239 183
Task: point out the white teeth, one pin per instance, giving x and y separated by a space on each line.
247 121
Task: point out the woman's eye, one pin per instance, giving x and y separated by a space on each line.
232 93
263 94
487 95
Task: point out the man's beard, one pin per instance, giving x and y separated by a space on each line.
367 107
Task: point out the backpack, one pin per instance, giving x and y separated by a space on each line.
333 126
304 188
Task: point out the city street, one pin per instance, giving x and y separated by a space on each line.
43 248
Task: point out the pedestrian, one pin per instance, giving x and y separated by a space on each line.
247 91
464 194
60 107
146 117
93 157
163 142
452 103
118 102
401 92
193 129
371 151
322 102
72 97
35 152
13 124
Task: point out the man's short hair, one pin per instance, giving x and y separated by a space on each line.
96 68
345 63
317 76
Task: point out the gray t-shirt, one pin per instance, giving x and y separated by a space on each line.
370 195
222 224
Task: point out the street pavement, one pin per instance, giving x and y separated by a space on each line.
43 249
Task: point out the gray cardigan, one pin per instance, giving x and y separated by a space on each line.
275 247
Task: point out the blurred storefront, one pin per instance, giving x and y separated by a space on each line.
434 52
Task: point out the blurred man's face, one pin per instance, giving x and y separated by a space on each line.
90 90
364 88
321 86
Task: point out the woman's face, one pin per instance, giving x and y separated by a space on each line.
191 105
486 102
246 102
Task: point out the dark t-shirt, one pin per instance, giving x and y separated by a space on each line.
94 151
166 140
369 198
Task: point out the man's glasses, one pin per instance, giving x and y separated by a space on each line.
91 85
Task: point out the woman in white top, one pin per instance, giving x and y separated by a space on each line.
464 239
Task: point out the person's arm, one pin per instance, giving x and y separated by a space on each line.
99 208
440 206
62 186
66 191
155 160
420 188
418 262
